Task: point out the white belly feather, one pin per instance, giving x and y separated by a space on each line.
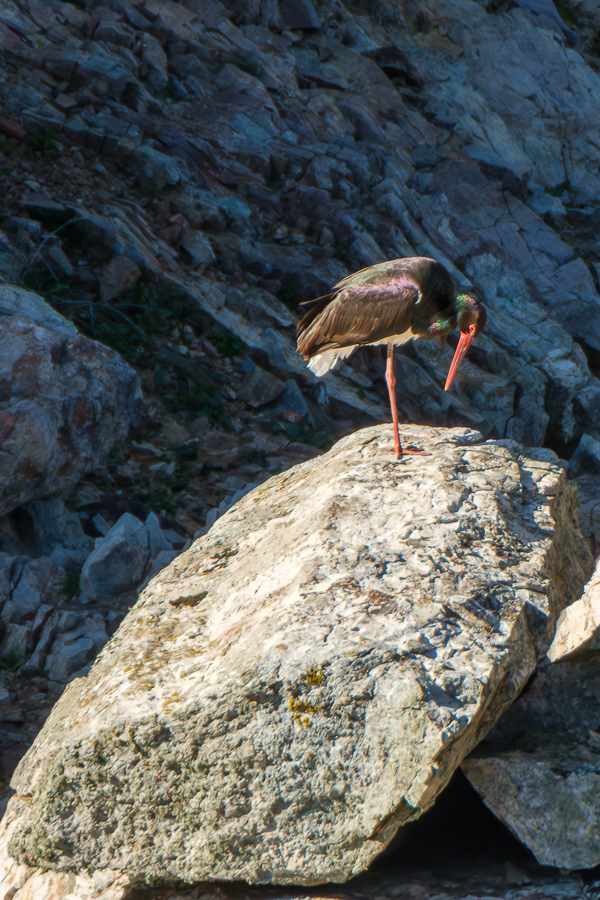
330 360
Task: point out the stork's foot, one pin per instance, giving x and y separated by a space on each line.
408 451
415 451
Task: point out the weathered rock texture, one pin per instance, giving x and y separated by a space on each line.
66 400
539 771
306 678
23 883
588 487
578 626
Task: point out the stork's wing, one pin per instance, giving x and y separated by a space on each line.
358 314
411 267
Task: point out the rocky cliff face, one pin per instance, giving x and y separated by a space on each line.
176 178
173 170
203 163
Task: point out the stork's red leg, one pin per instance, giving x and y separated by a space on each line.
391 383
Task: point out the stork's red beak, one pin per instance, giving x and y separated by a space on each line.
466 339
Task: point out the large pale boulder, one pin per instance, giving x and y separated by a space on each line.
66 400
307 676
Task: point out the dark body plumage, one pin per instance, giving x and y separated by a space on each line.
389 302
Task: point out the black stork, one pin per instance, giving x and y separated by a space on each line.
390 303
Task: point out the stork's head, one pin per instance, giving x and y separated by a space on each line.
471 318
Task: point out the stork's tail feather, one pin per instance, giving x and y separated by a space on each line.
307 335
330 360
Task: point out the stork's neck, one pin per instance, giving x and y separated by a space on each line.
442 325
429 319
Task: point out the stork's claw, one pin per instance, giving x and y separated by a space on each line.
409 451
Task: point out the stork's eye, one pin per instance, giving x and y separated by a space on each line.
471 330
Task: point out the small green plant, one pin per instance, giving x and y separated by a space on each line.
186 457
70 585
186 454
304 433
202 402
42 142
144 312
257 457
160 501
228 343
558 189
12 658
31 281
180 477
7 147
145 309
568 14
123 338
340 249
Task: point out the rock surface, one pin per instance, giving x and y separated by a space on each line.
177 176
66 400
120 560
50 628
588 489
539 770
578 626
508 881
311 672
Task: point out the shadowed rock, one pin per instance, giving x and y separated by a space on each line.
67 400
539 772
